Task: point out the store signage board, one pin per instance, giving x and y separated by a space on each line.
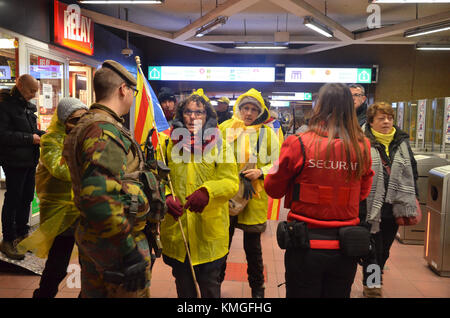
211 74
73 30
328 75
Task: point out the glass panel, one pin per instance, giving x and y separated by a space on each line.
439 124
8 53
80 83
411 127
50 74
400 114
429 124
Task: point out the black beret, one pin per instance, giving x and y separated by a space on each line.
121 71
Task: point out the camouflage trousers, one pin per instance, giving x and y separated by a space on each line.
94 258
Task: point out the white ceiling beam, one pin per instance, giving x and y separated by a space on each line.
402 27
107 20
301 9
227 9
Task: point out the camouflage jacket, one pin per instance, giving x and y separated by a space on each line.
100 155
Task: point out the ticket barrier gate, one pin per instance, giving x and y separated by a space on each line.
416 234
437 215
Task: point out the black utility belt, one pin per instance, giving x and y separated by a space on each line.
354 241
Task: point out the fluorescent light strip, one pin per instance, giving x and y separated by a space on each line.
317 29
410 1
426 32
256 47
121 1
7 44
431 48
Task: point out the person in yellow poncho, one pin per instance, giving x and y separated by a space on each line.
204 178
252 142
55 237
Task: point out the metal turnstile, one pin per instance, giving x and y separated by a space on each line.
416 234
437 215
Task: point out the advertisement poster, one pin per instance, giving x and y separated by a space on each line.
421 113
447 120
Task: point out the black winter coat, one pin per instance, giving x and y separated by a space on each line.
399 137
18 123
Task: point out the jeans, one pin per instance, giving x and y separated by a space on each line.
20 182
55 267
383 241
317 273
206 274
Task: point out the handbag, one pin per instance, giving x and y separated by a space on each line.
413 220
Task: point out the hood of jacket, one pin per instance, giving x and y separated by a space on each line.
252 95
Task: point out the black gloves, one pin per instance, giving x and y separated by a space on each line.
133 276
248 188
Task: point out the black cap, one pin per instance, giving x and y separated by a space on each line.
121 71
166 94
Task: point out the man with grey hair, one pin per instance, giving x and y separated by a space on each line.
359 100
19 155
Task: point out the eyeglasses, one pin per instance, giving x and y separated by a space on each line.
196 113
357 95
135 91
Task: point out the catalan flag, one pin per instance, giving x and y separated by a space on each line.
273 209
148 112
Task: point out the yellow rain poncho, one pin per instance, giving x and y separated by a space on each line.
243 140
54 190
206 232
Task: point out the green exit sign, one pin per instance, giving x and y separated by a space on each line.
364 75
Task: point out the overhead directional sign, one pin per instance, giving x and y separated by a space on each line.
328 75
211 74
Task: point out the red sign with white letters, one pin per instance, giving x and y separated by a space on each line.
73 30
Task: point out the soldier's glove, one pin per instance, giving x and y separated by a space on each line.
248 188
174 207
134 272
197 201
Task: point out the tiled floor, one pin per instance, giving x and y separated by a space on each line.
406 276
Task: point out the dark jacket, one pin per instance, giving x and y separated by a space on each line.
18 123
361 112
399 137
222 116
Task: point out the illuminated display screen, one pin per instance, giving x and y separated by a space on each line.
328 75
211 74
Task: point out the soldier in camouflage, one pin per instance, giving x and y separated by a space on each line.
106 167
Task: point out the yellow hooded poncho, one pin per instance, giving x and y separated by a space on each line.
206 232
243 139
54 190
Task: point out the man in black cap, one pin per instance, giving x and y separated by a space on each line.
105 165
19 155
167 100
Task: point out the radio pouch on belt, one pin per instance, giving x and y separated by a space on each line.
292 235
354 241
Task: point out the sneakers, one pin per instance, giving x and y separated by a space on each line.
372 292
10 251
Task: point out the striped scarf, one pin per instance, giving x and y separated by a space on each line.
400 191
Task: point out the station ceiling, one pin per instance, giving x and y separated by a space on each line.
269 21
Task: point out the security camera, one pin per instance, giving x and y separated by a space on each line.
127 52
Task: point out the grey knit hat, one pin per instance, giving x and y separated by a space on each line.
250 100
67 106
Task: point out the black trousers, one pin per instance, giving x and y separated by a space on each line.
207 276
314 273
383 241
253 254
19 194
55 267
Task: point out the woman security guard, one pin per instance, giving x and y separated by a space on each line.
255 147
204 179
324 173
